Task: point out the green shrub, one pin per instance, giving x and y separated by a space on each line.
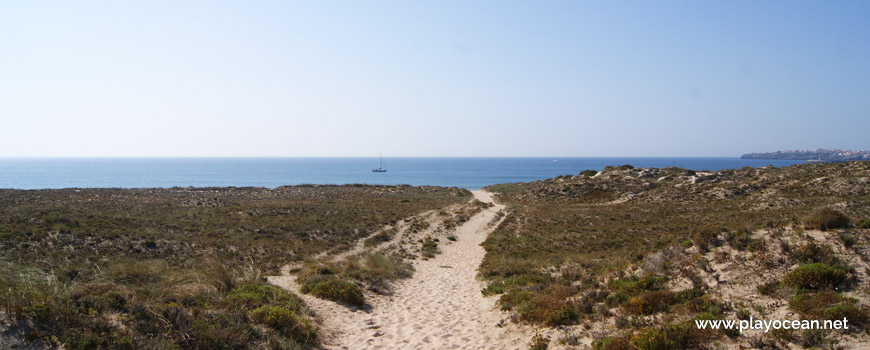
707 304
829 305
565 315
515 297
650 302
825 219
374 270
336 290
255 295
616 299
286 322
377 270
849 311
816 276
814 253
518 281
864 223
689 295
674 336
811 304
633 285
612 343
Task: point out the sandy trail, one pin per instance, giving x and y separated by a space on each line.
441 307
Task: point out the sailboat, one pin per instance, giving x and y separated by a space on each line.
380 169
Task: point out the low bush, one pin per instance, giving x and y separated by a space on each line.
549 306
825 219
286 322
633 285
849 311
255 295
828 305
613 343
810 304
814 253
650 302
616 299
816 276
518 281
374 270
336 290
674 336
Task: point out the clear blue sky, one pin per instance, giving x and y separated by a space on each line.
437 78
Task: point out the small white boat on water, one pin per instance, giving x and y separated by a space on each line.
380 169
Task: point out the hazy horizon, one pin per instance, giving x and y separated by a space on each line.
555 157
447 79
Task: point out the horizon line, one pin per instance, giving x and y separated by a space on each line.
403 156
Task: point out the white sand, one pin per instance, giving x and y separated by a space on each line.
441 307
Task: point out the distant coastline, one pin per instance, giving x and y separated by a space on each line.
817 156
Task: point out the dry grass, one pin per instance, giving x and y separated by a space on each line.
625 227
181 268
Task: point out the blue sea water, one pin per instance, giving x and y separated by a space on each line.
471 173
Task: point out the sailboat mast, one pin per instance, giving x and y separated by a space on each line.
381 169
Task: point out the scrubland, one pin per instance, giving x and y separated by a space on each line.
178 267
628 258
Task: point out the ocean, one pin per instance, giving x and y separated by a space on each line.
470 173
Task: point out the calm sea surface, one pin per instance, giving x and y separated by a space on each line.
471 173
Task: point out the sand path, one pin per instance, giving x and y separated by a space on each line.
441 307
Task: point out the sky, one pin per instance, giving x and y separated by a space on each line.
431 78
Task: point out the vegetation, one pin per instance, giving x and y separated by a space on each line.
829 305
148 304
816 276
341 281
539 342
583 250
181 267
335 290
825 219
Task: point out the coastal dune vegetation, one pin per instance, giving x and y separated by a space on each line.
628 258
179 267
